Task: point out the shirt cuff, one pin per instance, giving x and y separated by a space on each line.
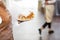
0 20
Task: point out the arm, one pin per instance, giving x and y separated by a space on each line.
2 5
5 18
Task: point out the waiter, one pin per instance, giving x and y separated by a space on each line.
49 11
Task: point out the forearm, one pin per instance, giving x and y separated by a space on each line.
6 18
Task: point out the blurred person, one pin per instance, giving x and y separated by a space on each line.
49 11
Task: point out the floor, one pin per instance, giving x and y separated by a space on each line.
29 30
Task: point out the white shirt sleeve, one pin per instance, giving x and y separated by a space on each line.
52 1
0 20
43 3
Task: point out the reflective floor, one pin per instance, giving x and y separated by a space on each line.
29 30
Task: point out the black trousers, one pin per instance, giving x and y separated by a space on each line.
45 24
